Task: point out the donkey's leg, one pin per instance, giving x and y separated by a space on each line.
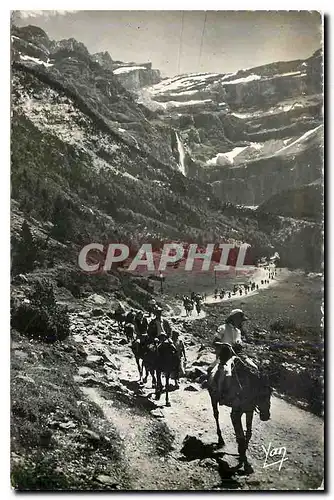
214 403
146 372
158 387
154 380
140 368
249 419
239 434
167 389
249 422
177 374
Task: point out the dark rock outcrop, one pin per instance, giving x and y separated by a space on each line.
304 202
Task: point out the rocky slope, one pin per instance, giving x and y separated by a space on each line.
78 134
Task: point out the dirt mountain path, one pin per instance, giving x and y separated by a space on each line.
154 463
149 468
298 431
190 414
259 275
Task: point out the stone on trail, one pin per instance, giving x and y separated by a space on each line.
97 312
21 278
20 354
205 358
93 359
78 338
85 370
66 425
91 435
93 338
111 364
254 482
158 413
191 388
84 314
114 362
227 466
81 352
97 299
122 341
108 481
94 380
16 345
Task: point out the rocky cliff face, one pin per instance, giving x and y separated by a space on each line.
161 162
305 202
136 77
251 133
132 76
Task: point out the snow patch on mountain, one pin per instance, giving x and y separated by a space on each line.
226 158
257 145
235 152
186 92
300 140
35 60
178 104
246 79
180 82
291 73
256 150
242 116
127 69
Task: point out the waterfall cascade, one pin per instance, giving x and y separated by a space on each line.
182 154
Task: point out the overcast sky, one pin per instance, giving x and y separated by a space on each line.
230 40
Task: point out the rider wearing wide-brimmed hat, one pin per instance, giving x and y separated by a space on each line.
230 331
228 342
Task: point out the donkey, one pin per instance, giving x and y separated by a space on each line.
144 350
167 363
248 391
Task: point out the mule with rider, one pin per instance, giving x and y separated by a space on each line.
235 380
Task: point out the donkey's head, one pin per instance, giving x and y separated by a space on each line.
263 397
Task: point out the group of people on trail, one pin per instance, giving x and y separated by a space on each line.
237 289
154 338
196 300
233 379
244 288
150 334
